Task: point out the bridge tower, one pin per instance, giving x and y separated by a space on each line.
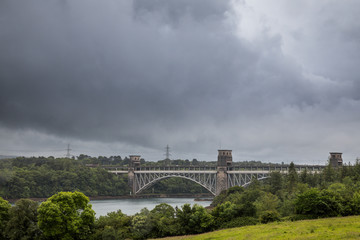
335 159
134 163
224 161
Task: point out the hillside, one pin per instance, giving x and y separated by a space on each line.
327 228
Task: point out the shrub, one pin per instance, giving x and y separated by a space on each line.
269 216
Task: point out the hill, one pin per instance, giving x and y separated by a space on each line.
326 228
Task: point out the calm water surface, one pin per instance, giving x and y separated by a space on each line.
132 206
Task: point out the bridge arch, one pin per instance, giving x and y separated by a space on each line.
148 185
143 180
259 179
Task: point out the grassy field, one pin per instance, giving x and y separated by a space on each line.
328 228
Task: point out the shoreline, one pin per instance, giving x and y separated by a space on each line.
198 197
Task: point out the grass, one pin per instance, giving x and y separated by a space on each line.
327 228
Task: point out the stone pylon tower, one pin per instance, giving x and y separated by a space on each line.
134 163
224 161
335 159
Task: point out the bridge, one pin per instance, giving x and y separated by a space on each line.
214 179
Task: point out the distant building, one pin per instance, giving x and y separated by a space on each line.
335 159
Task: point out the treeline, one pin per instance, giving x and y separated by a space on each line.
42 177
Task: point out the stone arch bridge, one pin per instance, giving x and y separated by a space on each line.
214 179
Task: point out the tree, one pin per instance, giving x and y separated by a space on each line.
316 203
163 221
66 215
292 177
23 221
194 219
330 174
115 225
225 212
4 216
275 182
267 202
141 224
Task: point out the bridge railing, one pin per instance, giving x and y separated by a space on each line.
175 168
299 168
115 168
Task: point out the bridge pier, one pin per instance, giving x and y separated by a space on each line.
223 162
134 163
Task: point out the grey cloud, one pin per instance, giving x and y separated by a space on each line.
147 73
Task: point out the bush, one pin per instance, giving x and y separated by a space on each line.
269 216
318 203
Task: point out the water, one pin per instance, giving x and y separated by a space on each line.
132 206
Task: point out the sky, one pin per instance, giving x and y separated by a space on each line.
274 81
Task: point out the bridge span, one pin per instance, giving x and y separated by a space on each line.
214 179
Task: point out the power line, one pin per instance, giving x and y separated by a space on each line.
68 155
167 154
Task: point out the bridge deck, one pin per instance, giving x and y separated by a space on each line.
245 171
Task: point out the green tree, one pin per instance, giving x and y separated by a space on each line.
225 212
330 174
194 219
292 178
275 182
4 216
66 216
23 221
318 203
267 202
163 221
141 224
115 225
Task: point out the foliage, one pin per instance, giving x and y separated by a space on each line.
266 202
66 215
115 225
194 219
164 221
23 221
269 216
318 203
43 177
176 185
4 216
292 178
141 224
225 212
275 182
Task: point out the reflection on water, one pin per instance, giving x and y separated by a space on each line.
132 206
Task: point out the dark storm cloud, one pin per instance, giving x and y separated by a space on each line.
145 72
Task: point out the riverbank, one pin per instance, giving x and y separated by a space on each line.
134 205
197 197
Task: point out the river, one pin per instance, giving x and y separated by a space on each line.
132 206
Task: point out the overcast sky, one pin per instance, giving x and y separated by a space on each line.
271 80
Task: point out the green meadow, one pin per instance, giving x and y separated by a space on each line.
327 228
